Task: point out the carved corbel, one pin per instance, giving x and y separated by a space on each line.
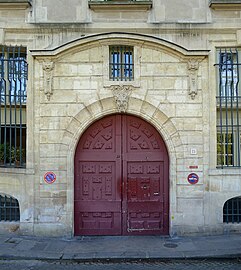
121 94
193 66
48 67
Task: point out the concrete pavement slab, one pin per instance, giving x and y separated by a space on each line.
139 247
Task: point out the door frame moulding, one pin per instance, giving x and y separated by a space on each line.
89 114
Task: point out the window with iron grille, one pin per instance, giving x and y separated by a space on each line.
121 63
229 109
13 94
9 208
232 211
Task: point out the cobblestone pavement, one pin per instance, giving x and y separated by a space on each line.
219 264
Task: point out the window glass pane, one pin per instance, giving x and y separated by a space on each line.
229 74
121 63
13 82
228 109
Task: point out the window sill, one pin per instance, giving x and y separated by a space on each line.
13 170
134 83
15 4
228 171
120 5
225 4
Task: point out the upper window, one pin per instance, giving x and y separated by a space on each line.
13 94
121 63
229 109
228 64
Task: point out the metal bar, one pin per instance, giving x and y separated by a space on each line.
132 64
1 89
220 105
15 210
119 76
20 106
226 110
10 102
10 209
14 101
228 211
5 113
238 94
129 63
0 207
238 214
111 64
231 104
232 202
5 213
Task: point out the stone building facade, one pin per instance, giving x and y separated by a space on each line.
181 83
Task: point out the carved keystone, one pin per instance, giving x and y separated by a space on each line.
121 94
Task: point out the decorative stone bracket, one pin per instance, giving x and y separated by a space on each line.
193 66
121 94
48 67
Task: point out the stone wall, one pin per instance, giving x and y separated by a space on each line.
174 89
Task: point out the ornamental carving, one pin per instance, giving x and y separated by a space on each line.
48 67
121 94
193 66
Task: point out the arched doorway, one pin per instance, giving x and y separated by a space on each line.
121 179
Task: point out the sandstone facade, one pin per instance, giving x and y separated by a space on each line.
174 88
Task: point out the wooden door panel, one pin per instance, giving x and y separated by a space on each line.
98 223
98 180
145 161
121 179
145 211
145 218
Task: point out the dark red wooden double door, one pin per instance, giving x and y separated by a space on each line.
121 179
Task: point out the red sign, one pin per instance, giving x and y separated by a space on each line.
193 167
50 177
193 178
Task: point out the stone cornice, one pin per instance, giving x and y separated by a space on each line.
225 4
120 5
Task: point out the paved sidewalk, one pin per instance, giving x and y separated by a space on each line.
115 248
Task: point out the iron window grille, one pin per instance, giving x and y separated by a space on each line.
13 95
121 66
9 208
228 109
232 211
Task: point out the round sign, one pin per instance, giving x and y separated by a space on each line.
192 178
49 177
